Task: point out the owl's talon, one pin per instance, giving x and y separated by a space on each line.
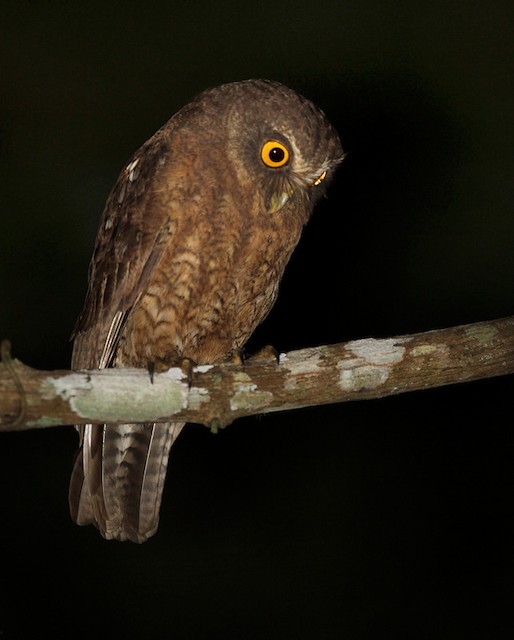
237 356
158 366
186 364
267 354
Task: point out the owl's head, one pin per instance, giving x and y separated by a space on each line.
277 142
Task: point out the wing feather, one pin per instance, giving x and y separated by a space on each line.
129 245
119 470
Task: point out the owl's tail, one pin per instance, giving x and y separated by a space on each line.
118 478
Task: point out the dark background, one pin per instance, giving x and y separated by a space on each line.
359 520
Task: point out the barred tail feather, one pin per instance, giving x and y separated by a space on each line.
118 478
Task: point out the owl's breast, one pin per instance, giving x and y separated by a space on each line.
216 282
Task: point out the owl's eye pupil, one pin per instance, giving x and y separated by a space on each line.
274 154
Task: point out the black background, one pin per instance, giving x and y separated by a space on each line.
358 520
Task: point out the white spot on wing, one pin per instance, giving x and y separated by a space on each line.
122 192
132 170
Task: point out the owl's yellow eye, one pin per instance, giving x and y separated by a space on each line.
274 154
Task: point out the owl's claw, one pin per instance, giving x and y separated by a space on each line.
237 356
267 354
186 364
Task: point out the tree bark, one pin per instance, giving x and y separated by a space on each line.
368 368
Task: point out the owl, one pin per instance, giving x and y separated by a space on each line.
192 245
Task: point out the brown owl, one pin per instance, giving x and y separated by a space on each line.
193 242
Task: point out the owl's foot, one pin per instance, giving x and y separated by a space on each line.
267 354
158 366
186 364
151 369
237 356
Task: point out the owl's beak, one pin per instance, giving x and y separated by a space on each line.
286 188
320 179
278 200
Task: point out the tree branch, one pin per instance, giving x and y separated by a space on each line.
369 368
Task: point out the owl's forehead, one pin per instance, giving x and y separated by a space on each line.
260 101
242 115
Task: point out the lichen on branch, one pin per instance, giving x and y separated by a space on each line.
367 368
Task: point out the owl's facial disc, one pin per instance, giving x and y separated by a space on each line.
289 184
290 173
275 155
